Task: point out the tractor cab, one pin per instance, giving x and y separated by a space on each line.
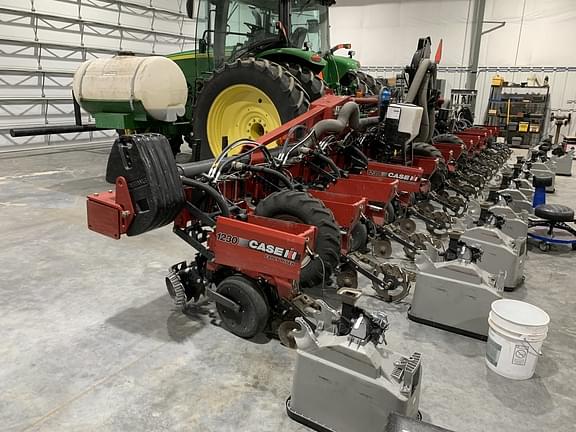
232 29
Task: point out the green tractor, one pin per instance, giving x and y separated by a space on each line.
256 65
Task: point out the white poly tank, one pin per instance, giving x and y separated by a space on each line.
157 82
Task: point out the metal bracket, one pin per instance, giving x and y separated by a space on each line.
221 300
499 25
184 235
406 371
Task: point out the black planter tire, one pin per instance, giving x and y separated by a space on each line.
428 150
300 207
254 312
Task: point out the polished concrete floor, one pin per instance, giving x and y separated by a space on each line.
89 340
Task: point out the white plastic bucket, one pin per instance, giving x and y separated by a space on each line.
515 335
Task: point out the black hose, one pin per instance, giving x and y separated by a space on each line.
213 193
330 162
271 172
359 154
193 169
349 115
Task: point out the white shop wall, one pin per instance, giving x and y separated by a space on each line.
42 42
536 40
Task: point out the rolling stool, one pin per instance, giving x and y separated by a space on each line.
549 215
553 216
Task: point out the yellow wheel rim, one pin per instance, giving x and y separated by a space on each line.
240 111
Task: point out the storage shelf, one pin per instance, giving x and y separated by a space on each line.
515 105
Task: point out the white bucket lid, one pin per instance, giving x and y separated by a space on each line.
519 317
520 312
533 337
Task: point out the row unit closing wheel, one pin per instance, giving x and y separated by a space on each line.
245 99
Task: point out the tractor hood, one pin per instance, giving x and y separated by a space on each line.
346 63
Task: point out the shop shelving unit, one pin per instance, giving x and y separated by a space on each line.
520 111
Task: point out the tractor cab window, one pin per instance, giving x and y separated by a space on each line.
237 25
309 24
254 20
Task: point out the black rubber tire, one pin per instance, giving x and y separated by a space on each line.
381 82
428 150
425 149
254 311
447 139
312 84
370 84
362 87
390 213
308 210
359 237
274 80
175 144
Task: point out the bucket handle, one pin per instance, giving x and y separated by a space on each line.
538 353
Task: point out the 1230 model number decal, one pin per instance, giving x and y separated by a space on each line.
228 238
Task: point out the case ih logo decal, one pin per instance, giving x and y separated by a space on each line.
272 252
398 176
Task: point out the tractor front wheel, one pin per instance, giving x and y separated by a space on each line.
245 99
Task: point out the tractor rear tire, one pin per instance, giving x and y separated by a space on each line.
262 77
254 311
313 85
296 206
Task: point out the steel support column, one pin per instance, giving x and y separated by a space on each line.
475 42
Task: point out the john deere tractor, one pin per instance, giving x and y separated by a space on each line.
256 65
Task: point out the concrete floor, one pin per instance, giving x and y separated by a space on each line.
89 340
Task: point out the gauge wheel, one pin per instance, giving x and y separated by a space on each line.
254 312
